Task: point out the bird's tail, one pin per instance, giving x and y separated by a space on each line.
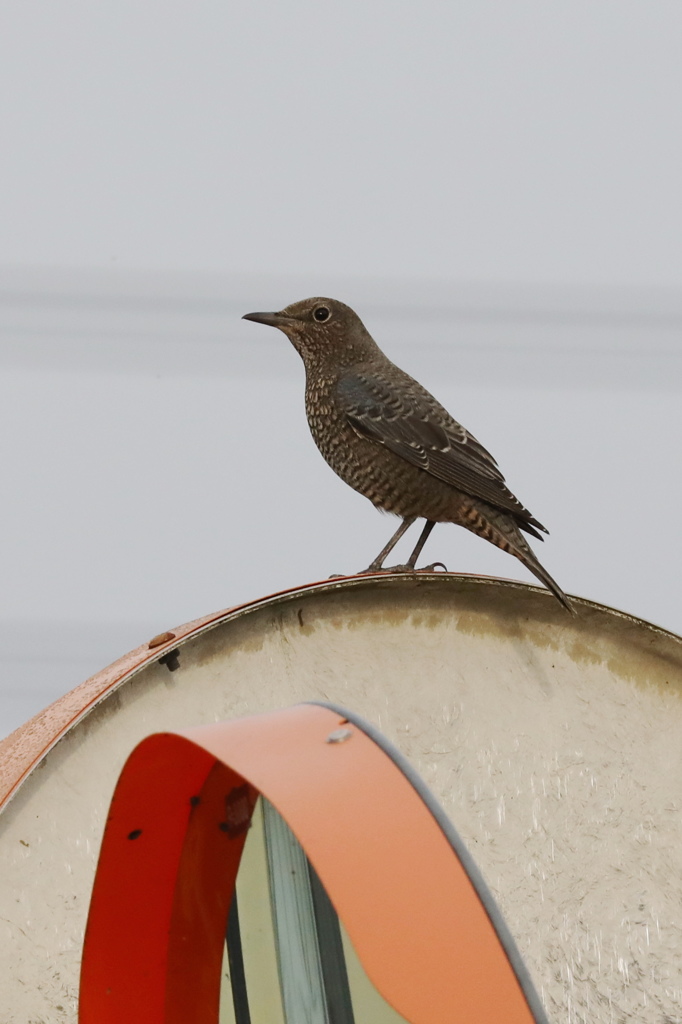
530 561
500 529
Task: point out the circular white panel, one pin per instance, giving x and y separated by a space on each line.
552 742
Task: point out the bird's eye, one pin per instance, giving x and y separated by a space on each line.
321 314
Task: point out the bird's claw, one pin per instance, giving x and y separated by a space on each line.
375 569
402 568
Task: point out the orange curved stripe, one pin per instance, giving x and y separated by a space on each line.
160 900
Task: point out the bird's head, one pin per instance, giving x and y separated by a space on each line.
323 331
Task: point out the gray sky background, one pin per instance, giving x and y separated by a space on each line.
495 188
533 141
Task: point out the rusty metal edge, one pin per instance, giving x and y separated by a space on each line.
23 750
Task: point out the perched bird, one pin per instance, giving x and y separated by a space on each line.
388 437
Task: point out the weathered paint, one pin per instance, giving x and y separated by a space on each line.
552 742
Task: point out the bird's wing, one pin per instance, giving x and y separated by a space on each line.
400 414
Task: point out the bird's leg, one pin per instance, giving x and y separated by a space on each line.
424 536
376 565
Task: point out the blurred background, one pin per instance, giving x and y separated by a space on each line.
494 187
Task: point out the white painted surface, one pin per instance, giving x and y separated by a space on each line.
552 743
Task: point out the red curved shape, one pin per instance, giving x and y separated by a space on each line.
168 866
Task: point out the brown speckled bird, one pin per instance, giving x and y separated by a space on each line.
388 437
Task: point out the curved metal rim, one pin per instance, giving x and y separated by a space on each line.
98 687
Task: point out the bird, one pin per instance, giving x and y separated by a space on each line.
388 438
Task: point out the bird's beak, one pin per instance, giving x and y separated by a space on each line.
271 319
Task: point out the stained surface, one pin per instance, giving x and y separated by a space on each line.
553 745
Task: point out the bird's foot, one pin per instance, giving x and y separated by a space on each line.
402 568
407 567
372 569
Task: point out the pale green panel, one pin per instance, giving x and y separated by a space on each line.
299 956
257 934
369 1007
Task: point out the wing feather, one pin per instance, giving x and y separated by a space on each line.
396 411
